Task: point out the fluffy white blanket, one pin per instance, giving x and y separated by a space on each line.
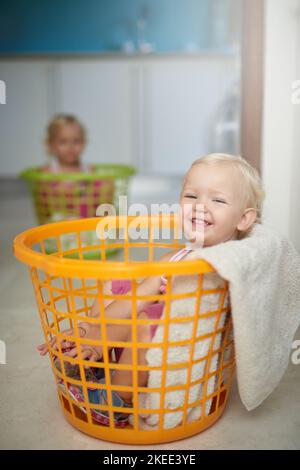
263 271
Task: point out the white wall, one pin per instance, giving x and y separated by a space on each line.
23 117
281 138
295 194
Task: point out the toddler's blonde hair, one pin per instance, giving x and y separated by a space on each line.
60 120
254 193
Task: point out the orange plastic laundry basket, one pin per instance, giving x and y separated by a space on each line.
65 290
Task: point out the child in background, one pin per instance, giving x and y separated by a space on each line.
69 198
64 200
66 139
223 195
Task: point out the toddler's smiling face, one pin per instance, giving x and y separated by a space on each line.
214 204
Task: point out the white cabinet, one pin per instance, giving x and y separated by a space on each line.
100 93
157 113
182 102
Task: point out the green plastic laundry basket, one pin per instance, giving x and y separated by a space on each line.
68 196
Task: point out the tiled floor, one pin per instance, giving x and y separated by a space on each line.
30 416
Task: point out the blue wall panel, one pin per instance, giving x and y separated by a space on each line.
49 26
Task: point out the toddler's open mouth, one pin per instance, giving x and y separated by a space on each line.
200 222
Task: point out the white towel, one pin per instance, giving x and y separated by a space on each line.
263 271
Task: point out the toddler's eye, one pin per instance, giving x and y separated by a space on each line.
220 201
190 196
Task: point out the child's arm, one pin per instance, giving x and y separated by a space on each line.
116 309
94 312
122 308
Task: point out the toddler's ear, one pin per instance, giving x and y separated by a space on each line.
247 220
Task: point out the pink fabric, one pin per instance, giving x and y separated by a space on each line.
153 311
120 286
176 257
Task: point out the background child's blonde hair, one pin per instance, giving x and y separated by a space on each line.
60 120
254 193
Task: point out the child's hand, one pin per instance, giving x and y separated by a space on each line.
88 352
65 344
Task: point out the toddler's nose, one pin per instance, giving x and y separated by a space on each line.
201 208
